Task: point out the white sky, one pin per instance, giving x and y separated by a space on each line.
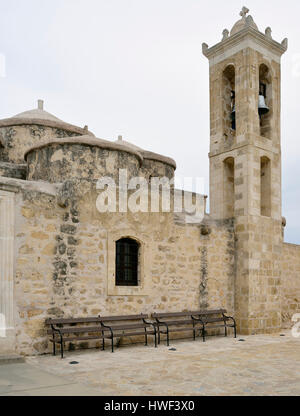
135 68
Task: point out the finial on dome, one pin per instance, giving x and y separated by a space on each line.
120 138
40 104
204 48
244 23
225 34
268 32
284 43
244 12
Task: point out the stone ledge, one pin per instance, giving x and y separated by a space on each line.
84 140
13 170
18 121
15 185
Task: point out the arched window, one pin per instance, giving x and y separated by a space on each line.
265 187
228 189
127 254
229 119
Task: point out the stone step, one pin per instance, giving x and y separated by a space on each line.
11 359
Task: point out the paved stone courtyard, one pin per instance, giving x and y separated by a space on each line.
259 365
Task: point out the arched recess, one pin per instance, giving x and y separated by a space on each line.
265 186
228 94
228 187
265 90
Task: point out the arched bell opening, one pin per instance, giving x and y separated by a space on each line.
265 101
229 118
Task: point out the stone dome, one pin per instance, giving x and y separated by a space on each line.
132 146
38 113
39 116
146 154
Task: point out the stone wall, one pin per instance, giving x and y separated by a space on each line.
61 161
290 282
65 263
18 139
13 170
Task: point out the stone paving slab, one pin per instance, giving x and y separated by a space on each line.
260 365
11 358
28 380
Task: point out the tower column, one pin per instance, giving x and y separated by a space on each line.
7 332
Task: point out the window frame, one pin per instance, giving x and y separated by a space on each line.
145 263
127 262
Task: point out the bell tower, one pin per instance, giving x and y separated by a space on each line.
245 164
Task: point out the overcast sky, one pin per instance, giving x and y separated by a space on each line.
135 68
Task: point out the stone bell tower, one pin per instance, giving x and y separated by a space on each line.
245 165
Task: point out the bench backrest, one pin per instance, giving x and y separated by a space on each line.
62 321
208 312
188 313
172 315
122 318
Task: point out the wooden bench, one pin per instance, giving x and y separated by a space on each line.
215 319
128 326
192 320
67 330
176 322
98 328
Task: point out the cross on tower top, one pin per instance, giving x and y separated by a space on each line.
244 12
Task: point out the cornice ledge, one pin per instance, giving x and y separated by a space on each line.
234 40
16 121
17 185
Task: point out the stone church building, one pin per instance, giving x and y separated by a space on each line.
60 256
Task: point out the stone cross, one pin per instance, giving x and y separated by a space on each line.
40 104
244 12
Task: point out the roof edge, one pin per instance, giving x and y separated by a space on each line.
16 121
279 48
85 140
160 158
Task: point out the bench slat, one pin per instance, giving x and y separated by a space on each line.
69 339
208 312
129 326
183 322
122 318
171 314
121 334
78 330
187 313
57 321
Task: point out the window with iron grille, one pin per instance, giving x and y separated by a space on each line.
127 252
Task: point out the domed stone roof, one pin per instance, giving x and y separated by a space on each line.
145 153
41 117
122 142
38 113
245 21
86 140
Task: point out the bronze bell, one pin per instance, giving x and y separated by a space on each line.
262 107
